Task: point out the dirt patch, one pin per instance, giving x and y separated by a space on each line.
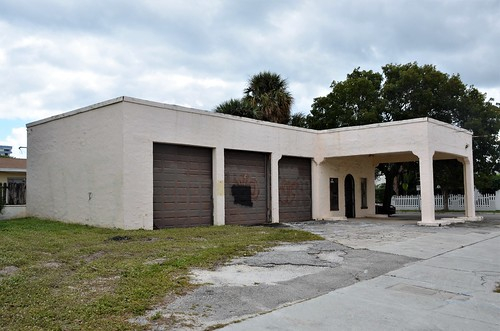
269 280
8 271
93 257
156 261
52 265
98 285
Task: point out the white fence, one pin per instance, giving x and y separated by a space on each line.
484 202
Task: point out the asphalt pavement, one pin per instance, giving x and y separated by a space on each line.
369 274
450 288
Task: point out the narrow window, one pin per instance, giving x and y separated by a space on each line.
364 199
334 194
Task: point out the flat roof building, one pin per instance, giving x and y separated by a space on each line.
5 150
130 163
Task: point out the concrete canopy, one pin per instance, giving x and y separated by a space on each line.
423 140
94 165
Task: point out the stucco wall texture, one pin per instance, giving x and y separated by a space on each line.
94 165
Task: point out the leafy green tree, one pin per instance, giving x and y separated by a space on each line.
299 120
379 192
412 91
355 101
265 98
390 171
449 176
483 119
409 91
487 183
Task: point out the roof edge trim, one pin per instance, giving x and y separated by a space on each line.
77 111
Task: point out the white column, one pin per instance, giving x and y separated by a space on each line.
315 187
497 200
218 185
470 206
275 190
427 207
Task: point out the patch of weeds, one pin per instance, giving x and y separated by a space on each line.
76 277
156 316
216 326
120 238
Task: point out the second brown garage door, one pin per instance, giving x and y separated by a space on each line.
182 186
295 189
246 176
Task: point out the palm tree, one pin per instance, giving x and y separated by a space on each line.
268 94
236 107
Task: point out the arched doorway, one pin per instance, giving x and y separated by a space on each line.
350 202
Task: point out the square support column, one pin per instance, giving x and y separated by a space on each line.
470 205
315 188
218 186
427 204
275 189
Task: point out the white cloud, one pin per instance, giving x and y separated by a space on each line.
491 93
56 56
17 138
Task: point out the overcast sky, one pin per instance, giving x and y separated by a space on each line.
60 55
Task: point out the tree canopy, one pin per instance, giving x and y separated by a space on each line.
398 92
355 101
266 98
406 91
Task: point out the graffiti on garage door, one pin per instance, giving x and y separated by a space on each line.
290 189
245 190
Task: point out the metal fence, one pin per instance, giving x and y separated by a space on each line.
13 193
485 202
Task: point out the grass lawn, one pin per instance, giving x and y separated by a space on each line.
56 276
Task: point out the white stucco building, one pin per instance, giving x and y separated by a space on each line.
131 163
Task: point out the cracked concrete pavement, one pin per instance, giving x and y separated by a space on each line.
304 286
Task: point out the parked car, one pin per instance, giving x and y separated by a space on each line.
379 209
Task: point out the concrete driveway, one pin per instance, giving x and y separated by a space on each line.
367 274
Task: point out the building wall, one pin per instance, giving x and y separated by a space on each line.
145 123
357 166
456 143
95 165
392 137
75 167
5 150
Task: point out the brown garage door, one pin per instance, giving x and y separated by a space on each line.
246 176
295 189
182 186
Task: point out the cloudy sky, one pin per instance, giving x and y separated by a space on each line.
60 55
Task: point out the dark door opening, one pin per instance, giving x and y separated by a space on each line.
350 202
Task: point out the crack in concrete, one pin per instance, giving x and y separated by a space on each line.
278 264
234 302
467 318
463 246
